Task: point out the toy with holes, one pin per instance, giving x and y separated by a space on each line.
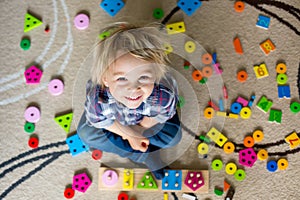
75 145
31 22
33 75
64 121
247 157
178 27
217 137
147 182
81 182
189 6
112 7
142 179
283 88
194 180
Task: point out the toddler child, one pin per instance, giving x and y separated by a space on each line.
130 107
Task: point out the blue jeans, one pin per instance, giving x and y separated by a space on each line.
160 136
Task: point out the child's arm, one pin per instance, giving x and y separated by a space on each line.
135 139
148 122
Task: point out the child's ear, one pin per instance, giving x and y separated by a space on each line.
104 80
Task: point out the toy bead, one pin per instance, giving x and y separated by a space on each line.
239 6
282 79
25 44
282 164
230 168
248 141
206 58
56 87
97 154
228 147
203 148
272 166
190 46
216 164
242 76
258 135
207 71
29 127
197 75
240 175
32 114
69 193
280 68
81 21
33 142
158 13
262 154
209 113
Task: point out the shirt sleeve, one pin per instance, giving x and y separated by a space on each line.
167 98
97 113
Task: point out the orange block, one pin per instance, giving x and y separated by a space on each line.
226 186
237 45
267 46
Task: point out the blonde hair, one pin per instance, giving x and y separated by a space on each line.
147 43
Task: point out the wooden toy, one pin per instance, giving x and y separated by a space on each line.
172 180
248 141
29 127
158 13
187 196
69 193
240 175
221 106
33 142
239 6
110 177
262 154
263 21
168 48
233 116
147 182
81 182
31 22
264 104
25 44
226 185
128 179
242 101
64 121
236 108
295 107
56 87
281 68
222 114
282 79
209 112
104 35
206 59
203 148
230 168
272 166
112 7
97 154
282 164
238 47
218 191
194 180
293 140
225 93
261 71
33 75
258 135
174 28
207 71
190 46
32 114
123 196
284 91
267 46
245 113
81 21
76 146
189 6
217 164
250 103
217 136
173 177
214 106
217 68
197 75
275 116
228 147
247 157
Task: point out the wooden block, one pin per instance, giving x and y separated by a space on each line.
174 28
261 71
216 136
138 175
293 140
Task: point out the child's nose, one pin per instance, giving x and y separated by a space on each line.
134 86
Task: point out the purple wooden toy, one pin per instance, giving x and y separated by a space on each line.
247 157
33 75
81 182
194 180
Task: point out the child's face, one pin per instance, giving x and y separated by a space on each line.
130 80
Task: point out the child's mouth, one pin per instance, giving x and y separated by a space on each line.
134 98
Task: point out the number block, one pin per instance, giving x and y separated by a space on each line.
75 144
172 180
247 157
267 46
81 182
33 75
147 182
112 7
65 121
263 22
264 104
194 180
31 22
174 28
128 176
284 91
293 140
275 116
261 71
217 136
189 6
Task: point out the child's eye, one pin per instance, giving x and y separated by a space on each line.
121 79
144 77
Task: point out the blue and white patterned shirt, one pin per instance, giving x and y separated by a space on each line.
102 109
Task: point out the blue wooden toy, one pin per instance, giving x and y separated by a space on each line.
263 22
112 7
284 91
236 108
76 146
172 180
189 6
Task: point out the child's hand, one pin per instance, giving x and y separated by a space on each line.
138 142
